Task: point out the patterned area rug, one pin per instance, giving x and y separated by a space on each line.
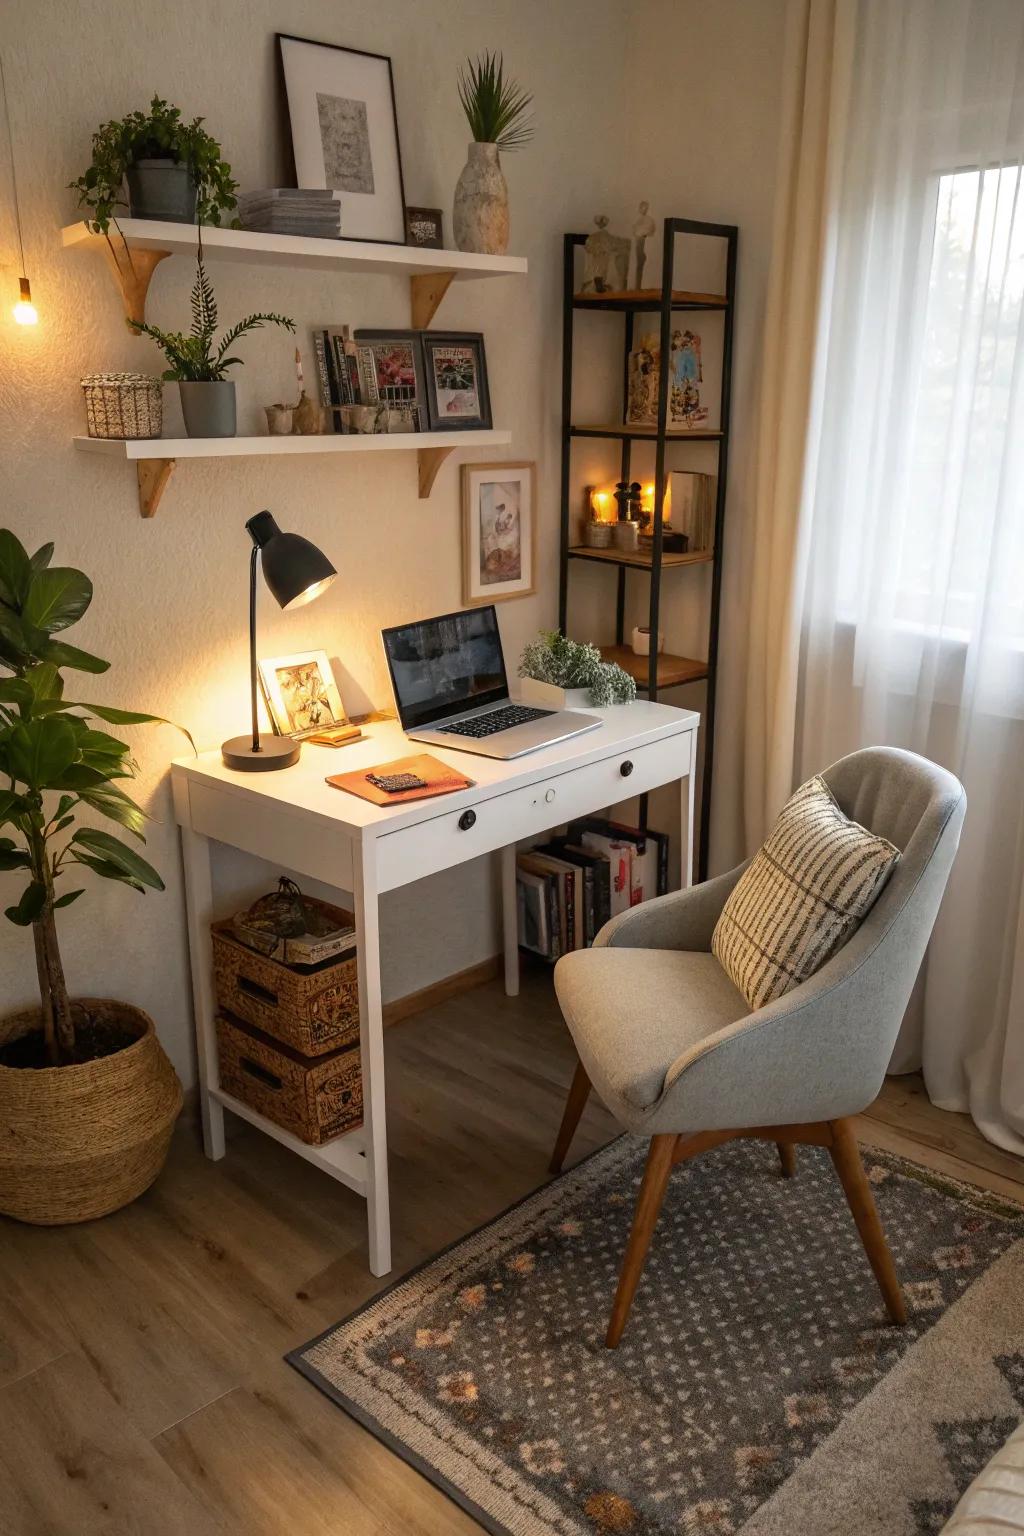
759 1386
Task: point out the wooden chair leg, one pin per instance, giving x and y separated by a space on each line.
574 1107
787 1157
846 1157
648 1206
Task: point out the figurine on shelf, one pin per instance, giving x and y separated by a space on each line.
307 415
643 229
605 260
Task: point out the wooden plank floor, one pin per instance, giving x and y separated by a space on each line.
142 1390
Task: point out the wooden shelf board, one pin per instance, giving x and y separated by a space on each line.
620 430
649 298
245 447
672 670
298 250
641 559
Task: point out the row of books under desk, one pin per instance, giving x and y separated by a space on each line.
569 886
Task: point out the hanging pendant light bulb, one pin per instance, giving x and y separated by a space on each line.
25 312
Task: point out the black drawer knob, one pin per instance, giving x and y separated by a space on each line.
626 768
467 820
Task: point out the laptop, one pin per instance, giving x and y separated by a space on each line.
451 689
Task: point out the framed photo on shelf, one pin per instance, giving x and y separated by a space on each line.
301 695
499 525
424 227
391 372
455 370
344 126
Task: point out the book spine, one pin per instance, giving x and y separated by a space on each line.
340 365
602 894
554 916
662 842
332 382
589 914
569 880
320 353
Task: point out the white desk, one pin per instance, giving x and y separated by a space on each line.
297 821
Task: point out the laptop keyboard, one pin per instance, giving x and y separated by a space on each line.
495 720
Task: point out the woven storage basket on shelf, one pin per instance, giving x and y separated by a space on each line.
313 1008
316 1098
78 1142
123 405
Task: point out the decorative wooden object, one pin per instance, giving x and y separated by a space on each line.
668 1149
311 1009
153 476
315 1099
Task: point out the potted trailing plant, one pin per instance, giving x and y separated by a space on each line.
174 170
207 397
570 674
496 110
88 1099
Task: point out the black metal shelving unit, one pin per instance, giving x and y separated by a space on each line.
654 673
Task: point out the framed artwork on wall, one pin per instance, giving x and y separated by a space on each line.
341 106
301 695
455 371
499 525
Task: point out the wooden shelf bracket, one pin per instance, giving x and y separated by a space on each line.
426 290
153 476
132 271
430 461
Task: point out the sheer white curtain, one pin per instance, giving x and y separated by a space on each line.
906 564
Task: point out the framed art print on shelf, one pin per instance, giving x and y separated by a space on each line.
499 525
455 374
424 227
344 126
391 372
301 695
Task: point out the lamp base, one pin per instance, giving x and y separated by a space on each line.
275 752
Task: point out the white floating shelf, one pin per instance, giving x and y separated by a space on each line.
300 250
155 457
249 447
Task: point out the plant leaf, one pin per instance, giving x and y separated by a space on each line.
13 857
16 690
111 850
39 752
15 569
108 871
133 717
42 557
11 806
56 598
113 802
70 656
79 777
67 898
33 898
45 681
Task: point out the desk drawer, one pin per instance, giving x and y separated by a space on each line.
413 852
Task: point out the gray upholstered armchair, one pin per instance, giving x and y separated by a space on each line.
675 1053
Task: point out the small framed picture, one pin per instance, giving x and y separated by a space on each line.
341 105
499 524
301 695
455 371
391 372
424 226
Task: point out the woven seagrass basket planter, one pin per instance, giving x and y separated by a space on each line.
81 1141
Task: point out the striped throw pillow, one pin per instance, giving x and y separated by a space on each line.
803 895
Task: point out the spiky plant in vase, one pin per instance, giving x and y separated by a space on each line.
199 368
87 1097
561 671
497 110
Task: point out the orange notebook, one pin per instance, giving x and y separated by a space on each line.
440 780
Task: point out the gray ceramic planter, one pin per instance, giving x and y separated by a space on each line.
208 409
161 189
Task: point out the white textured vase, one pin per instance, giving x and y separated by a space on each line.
480 214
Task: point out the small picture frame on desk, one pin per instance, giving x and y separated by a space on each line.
455 370
499 524
301 695
424 227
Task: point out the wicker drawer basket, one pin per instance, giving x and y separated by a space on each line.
312 1008
315 1100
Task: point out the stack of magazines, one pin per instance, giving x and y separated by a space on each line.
292 211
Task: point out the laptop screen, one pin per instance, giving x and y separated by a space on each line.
440 667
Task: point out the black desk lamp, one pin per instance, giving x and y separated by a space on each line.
296 572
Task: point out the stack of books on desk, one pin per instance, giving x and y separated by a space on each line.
291 211
568 887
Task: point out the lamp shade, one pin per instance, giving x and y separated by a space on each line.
293 568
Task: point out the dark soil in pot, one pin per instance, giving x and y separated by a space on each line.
94 1039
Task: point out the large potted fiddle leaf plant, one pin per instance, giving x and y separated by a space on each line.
88 1099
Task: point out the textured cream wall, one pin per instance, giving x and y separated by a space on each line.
684 90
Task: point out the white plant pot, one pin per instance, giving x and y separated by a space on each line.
552 697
